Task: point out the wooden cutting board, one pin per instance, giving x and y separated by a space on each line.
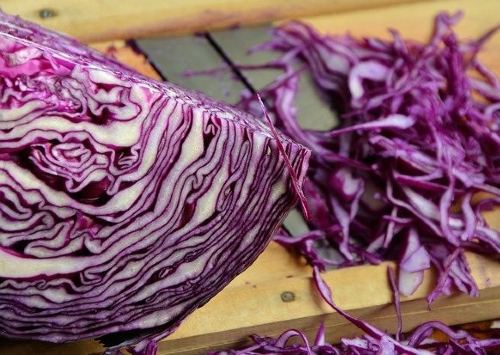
276 292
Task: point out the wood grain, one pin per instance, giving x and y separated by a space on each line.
97 20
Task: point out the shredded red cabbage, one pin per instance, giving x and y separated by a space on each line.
418 139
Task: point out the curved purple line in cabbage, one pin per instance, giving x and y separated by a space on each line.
125 203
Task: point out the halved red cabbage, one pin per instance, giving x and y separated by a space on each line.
125 203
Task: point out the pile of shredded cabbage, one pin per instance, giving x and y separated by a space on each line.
407 174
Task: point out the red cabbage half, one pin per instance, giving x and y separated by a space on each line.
125 203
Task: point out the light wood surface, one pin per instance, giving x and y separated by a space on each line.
101 20
252 302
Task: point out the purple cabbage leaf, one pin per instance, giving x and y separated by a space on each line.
125 203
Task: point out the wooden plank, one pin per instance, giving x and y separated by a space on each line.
97 20
246 308
125 54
